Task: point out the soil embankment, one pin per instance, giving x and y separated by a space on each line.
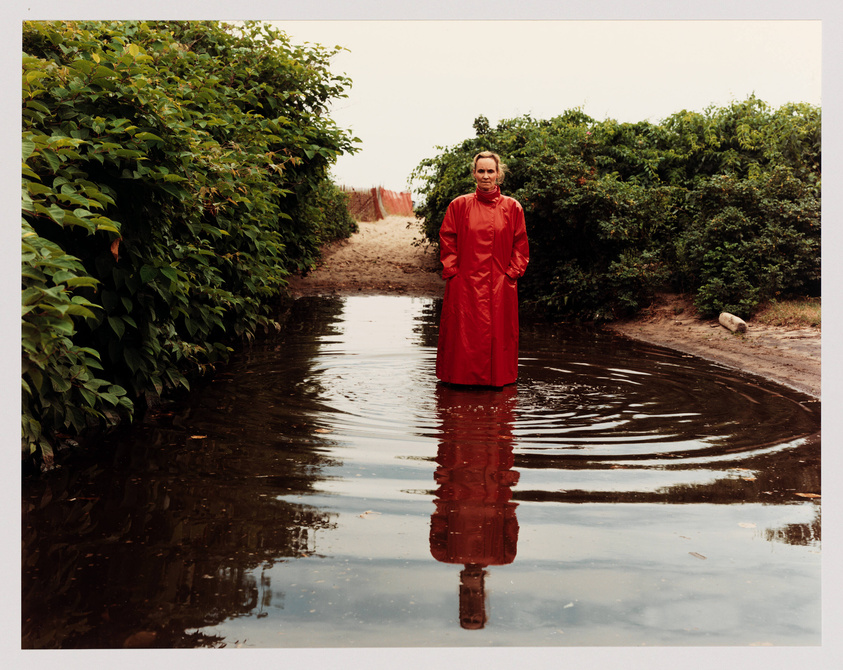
789 356
386 257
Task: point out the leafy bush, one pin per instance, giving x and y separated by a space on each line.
724 204
174 174
750 240
588 226
59 384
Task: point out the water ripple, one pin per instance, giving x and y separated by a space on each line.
593 398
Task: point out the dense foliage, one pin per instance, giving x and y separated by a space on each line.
174 173
724 204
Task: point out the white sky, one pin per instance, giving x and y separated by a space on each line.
421 84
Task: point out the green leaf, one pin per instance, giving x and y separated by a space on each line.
106 227
52 159
79 310
148 273
173 190
35 188
89 397
60 384
27 147
37 378
82 281
56 213
117 325
62 276
31 295
170 273
133 359
65 327
147 136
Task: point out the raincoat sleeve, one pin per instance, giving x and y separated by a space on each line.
520 247
448 244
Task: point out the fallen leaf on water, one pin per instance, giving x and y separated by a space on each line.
746 524
198 437
695 554
808 495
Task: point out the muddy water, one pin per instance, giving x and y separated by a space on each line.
324 491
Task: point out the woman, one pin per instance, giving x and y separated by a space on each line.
484 250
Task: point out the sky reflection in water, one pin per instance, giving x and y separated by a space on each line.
326 492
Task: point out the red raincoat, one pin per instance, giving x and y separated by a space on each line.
474 522
484 250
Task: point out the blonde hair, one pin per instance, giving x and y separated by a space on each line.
501 168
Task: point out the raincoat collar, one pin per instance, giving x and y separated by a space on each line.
488 196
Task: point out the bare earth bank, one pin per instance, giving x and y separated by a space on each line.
383 259
789 356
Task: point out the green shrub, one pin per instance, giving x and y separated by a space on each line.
180 170
750 240
589 228
724 204
60 386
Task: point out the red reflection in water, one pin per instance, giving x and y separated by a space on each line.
474 522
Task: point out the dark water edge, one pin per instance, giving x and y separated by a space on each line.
325 491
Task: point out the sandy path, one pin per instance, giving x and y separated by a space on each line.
382 259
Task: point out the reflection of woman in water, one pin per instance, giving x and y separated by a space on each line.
484 250
474 521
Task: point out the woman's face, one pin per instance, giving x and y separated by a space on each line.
486 174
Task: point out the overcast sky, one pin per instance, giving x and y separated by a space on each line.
420 84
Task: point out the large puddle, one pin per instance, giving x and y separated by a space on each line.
325 491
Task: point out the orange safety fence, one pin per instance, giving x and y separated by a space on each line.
378 203
396 204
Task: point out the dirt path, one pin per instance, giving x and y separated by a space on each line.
382 259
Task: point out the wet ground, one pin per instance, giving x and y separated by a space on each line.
325 491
